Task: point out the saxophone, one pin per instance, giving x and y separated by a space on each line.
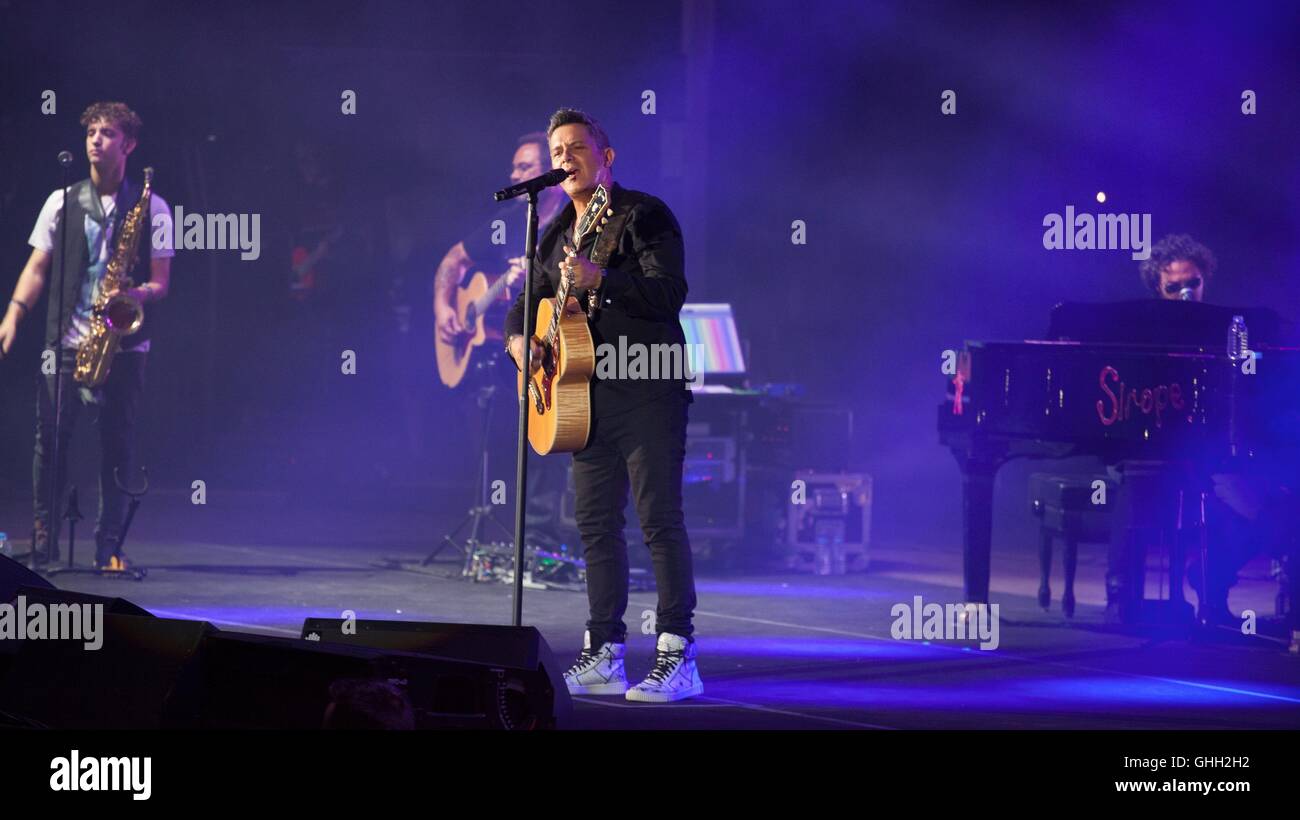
118 315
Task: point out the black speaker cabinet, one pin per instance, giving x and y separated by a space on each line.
141 674
517 657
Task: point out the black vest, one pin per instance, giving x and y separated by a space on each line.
81 204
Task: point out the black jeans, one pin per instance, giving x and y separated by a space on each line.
643 448
116 422
1146 515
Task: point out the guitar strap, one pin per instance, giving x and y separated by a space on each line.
611 232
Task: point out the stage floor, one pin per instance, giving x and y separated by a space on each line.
777 650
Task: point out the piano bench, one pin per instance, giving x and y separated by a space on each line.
1065 509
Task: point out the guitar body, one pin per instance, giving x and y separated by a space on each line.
305 278
453 359
304 273
559 400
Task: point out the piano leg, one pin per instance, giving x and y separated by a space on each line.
1045 567
1178 564
977 528
1071 561
1126 558
1149 514
1291 578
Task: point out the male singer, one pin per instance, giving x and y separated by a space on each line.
638 435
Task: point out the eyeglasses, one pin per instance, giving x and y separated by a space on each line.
1175 287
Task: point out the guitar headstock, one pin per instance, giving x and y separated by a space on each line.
593 216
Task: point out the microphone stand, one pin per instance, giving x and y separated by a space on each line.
114 570
521 457
532 188
56 477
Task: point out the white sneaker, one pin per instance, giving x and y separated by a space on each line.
674 676
598 673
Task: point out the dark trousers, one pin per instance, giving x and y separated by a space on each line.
490 393
115 418
642 449
1147 515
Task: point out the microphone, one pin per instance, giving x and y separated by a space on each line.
533 185
65 158
1186 294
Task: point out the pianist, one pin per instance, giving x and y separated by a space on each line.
1241 512
1178 268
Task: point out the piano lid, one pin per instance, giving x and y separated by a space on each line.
1167 322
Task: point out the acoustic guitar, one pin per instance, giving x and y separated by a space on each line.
305 277
559 391
472 302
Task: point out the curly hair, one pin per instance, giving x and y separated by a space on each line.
1171 249
572 116
115 112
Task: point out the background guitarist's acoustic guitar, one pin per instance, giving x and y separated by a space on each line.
472 302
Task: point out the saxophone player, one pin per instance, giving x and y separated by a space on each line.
95 209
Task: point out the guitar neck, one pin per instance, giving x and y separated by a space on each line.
493 291
561 299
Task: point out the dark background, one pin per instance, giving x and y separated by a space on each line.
922 230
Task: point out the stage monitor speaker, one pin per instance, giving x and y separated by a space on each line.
139 672
14 575
257 681
51 595
521 650
116 671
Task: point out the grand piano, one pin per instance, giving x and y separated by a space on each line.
1139 381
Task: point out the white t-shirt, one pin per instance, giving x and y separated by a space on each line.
46 234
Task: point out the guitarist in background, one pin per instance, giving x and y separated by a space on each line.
493 387
638 425
478 252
